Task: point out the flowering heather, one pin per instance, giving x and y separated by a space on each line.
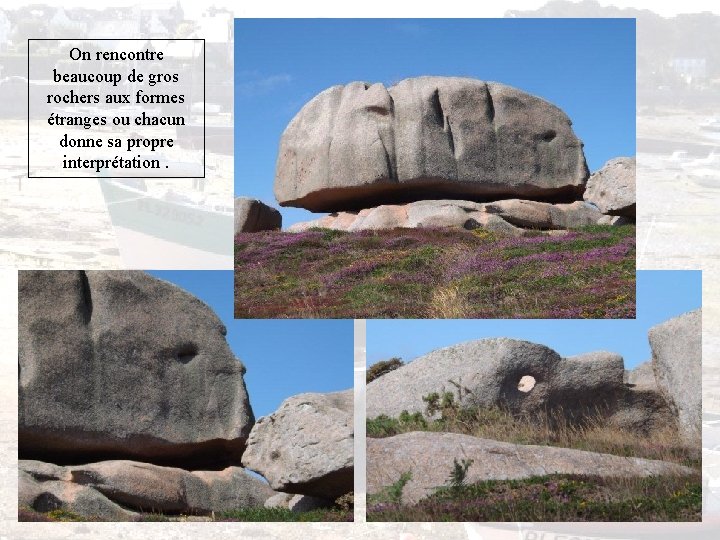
556 498
404 273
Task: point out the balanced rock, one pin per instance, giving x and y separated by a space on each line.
361 145
252 215
612 188
123 487
133 367
306 446
511 216
429 457
676 348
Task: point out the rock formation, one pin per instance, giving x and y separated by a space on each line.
135 368
358 145
118 490
677 362
429 458
523 378
252 215
612 188
306 446
426 151
131 400
511 216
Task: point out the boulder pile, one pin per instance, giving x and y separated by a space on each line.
428 151
531 380
131 400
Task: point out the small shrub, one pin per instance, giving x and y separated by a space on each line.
381 368
456 480
346 502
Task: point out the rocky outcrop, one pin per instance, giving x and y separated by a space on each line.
361 145
133 367
429 457
511 216
306 446
677 362
120 489
521 377
252 215
612 188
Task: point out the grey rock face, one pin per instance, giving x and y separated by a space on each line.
612 188
510 216
134 367
252 215
677 362
361 145
429 457
118 489
488 372
642 376
306 446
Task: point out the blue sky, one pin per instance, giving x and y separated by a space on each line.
283 357
584 66
660 296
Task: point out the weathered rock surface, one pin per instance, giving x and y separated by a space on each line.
306 446
487 373
361 145
117 489
525 379
612 188
511 216
297 503
45 495
642 376
429 457
676 348
134 367
252 215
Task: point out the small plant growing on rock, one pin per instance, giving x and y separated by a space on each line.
395 490
458 474
382 368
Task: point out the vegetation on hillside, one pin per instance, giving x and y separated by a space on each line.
435 273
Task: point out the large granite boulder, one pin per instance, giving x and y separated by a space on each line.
119 489
676 348
429 457
120 365
612 188
519 376
252 215
513 217
306 446
524 379
361 145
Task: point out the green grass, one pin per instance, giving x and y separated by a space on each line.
245 514
555 498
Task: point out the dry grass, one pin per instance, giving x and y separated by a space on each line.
448 302
594 434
